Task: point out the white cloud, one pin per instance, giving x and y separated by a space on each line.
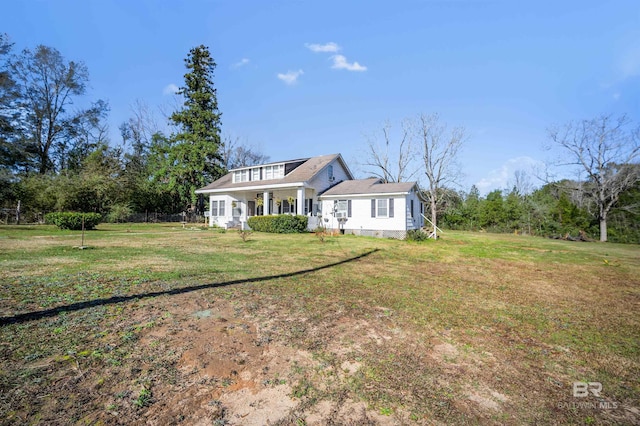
170 89
242 62
291 77
340 63
328 47
616 96
504 176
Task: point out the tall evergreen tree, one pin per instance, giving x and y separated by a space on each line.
492 211
195 156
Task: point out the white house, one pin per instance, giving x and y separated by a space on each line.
371 207
321 188
275 188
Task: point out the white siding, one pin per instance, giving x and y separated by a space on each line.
219 220
361 219
321 181
232 215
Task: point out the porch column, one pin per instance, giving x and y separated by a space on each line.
210 211
301 194
265 205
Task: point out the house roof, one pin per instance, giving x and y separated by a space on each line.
368 186
303 173
298 160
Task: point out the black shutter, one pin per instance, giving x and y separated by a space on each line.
348 208
390 207
373 208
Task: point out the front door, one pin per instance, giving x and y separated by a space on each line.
251 208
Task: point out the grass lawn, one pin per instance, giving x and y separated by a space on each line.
162 325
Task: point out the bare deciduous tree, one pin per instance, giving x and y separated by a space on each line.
389 160
139 129
521 182
608 150
84 134
440 149
238 154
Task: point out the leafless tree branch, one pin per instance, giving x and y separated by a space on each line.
393 158
607 148
440 150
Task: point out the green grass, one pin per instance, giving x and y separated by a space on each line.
525 316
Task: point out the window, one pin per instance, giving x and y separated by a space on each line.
330 172
412 209
288 207
217 208
241 176
382 207
342 208
255 174
274 172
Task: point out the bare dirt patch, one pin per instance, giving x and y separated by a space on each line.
236 368
407 335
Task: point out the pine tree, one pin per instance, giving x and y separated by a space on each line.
195 153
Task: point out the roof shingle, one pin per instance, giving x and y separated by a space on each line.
302 173
368 186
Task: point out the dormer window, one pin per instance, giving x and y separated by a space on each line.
258 173
241 176
273 172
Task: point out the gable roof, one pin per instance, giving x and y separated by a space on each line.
368 186
272 163
302 173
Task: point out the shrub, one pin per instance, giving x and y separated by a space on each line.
73 221
279 224
244 234
417 235
119 213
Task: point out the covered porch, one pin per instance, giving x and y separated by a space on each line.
232 209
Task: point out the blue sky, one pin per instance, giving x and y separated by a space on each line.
302 78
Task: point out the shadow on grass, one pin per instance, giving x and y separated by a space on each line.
36 315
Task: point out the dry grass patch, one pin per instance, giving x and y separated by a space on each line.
470 329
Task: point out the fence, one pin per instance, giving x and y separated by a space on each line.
8 217
154 217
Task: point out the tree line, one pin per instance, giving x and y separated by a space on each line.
602 201
554 210
55 156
